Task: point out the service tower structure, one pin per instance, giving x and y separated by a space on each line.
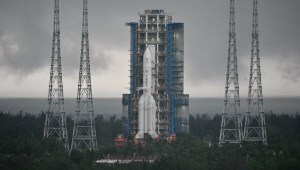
155 29
255 125
55 123
84 131
231 125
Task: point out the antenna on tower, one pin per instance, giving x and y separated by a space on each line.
255 126
231 125
55 123
84 131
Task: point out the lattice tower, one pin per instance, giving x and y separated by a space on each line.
55 123
84 131
255 126
231 125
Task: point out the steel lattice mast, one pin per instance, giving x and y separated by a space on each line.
55 123
255 127
84 131
231 125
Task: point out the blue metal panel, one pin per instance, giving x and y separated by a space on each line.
124 124
170 63
180 101
174 121
178 122
133 46
125 99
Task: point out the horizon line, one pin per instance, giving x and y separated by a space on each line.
194 97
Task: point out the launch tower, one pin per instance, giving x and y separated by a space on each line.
155 28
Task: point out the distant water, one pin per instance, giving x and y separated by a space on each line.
113 106
104 106
215 105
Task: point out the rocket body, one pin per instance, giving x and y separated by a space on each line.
147 105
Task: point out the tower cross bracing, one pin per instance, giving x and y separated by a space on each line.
55 123
231 125
84 131
255 126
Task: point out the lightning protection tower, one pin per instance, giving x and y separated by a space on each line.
231 125
84 131
255 126
55 123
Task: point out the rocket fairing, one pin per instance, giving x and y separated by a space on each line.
147 105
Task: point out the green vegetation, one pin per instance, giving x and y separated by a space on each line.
23 147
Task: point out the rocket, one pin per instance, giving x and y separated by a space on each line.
147 105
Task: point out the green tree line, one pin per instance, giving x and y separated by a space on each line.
22 146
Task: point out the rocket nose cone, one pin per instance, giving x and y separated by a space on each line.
147 54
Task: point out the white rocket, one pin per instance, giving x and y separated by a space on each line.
147 105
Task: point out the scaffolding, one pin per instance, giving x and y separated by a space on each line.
170 65
129 99
167 72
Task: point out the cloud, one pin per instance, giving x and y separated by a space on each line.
26 36
290 69
8 49
26 47
22 31
100 58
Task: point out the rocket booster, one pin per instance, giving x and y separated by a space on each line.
147 105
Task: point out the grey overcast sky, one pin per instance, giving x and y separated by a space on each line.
26 35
